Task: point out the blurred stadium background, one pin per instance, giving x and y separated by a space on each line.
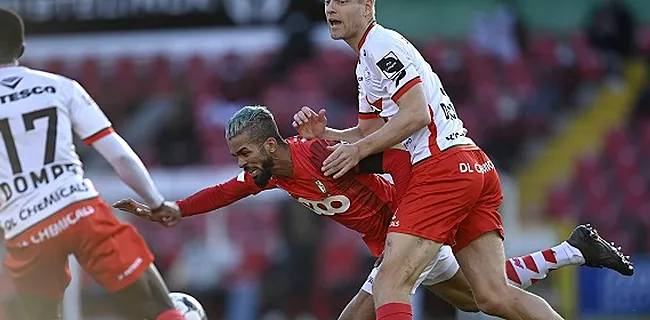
555 91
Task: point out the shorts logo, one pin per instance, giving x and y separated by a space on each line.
390 65
483 168
130 269
59 226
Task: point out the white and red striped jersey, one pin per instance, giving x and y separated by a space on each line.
389 65
40 172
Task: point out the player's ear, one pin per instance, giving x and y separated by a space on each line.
21 51
369 6
271 145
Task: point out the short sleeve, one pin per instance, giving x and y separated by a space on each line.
88 120
366 110
393 63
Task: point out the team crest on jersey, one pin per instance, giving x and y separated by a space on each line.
390 65
321 186
11 82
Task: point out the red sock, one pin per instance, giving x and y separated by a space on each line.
395 311
171 314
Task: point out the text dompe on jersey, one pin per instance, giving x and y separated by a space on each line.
32 180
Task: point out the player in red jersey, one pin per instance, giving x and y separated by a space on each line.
49 210
361 201
454 191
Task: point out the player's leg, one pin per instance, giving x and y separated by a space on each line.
38 268
438 199
361 307
482 262
405 259
584 247
148 296
117 257
447 281
479 246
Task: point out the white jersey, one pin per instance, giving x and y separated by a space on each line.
389 65
40 172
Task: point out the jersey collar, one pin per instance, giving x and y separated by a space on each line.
365 34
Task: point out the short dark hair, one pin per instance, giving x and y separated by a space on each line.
12 35
255 121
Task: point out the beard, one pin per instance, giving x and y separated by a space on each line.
262 179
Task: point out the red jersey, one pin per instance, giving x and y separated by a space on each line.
361 201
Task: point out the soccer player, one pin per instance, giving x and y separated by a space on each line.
48 210
361 201
455 190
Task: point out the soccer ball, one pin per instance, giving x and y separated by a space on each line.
188 306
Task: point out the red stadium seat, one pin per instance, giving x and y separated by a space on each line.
544 49
634 194
588 62
559 201
587 168
125 80
56 66
597 193
520 77
616 141
643 39
626 163
91 79
160 75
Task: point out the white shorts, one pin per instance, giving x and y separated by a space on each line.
442 268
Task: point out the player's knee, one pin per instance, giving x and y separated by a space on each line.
495 301
395 277
362 307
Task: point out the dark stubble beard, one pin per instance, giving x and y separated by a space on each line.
262 179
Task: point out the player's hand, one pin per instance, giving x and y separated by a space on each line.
168 214
344 158
310 124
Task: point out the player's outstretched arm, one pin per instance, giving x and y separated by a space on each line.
312 125
203 201
129 168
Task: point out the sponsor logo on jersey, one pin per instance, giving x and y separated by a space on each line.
391 66
35 179
24 94
61 193
11 82
321 186
394 222
328 206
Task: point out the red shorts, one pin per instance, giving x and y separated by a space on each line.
112 252
452 199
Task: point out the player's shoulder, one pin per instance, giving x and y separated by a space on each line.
60 84
35 75
381 39
315 149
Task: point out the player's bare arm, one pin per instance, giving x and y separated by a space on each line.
312 125
412 116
